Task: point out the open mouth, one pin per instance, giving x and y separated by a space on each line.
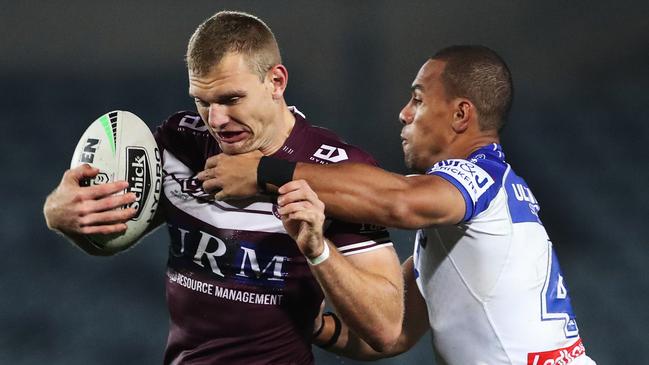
232 136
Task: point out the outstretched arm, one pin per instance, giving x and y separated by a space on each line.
352 192
365 288
363 193
415 324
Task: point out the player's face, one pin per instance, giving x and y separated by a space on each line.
426 119
237 106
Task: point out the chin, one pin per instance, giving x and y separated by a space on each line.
415 166
234 149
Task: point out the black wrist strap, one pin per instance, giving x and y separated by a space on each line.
322 326
337 329
274 171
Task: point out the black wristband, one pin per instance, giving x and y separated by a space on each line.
337 329
274 171
322 325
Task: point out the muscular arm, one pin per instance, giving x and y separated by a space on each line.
364 288
415 324
352 192
362 193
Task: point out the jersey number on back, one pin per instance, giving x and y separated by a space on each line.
555 300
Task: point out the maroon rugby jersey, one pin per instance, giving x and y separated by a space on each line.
238 289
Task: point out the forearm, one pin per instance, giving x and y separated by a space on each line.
347 344
369 303
350 345
413 326
358 192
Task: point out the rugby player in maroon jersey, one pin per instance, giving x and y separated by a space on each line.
239 288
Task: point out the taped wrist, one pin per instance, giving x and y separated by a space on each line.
274 171
321 258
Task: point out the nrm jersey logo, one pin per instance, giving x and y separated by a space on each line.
138 177
240 261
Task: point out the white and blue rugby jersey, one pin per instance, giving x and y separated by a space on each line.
492 284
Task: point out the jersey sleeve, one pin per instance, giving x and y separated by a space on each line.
185 136
349 238
478 182
352 238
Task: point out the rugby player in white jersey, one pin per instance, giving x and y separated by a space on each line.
483 276
242 287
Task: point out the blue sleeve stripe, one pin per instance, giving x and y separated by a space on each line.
468 212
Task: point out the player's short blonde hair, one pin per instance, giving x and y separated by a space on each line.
232 32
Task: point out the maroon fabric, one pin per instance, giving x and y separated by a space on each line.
255 303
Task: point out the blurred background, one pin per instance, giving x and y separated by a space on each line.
577 133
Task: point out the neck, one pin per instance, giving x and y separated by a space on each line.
478 142
463 147
282 131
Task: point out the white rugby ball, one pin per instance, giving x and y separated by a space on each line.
122 147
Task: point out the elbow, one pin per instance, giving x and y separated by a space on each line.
391 345
385 340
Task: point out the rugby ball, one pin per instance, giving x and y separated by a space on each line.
122 147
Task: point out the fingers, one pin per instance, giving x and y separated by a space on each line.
308 217
104 229
303 211
75 175
213 161
71 208
296 191
297 206
211 186
107 203
113 221
291 186
221 195
104 216
103 190
80 172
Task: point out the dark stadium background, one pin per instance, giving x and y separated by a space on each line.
578 133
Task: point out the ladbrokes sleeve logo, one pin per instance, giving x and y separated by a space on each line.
138 177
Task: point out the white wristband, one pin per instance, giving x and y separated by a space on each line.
321 258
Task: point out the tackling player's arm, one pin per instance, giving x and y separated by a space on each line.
77 211
353 192
362 193
415 324
365 289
